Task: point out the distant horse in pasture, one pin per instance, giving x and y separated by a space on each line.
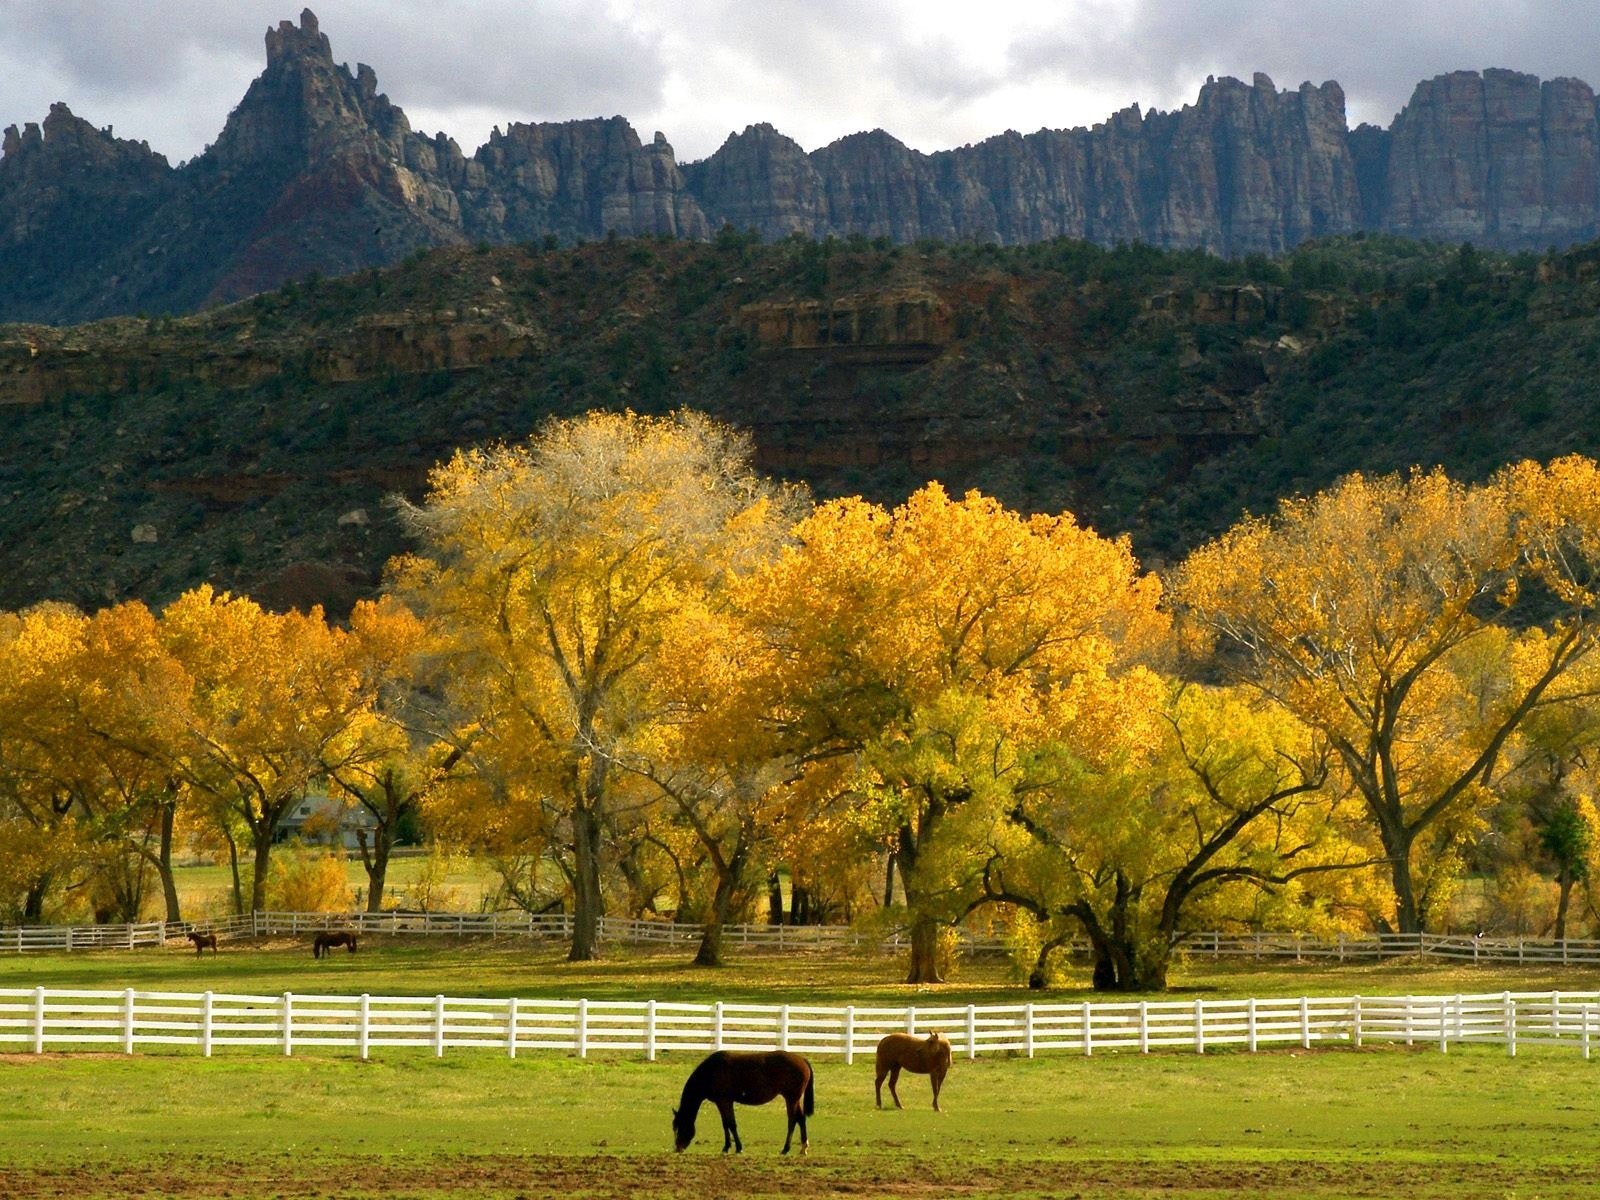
203 940
325 942
745 1077
904 1051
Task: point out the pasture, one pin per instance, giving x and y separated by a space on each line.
1383 1121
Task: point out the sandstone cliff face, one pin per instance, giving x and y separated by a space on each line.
1497 158
1246 168
317 171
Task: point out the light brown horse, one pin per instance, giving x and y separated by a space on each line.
924 1056
325 942
202 941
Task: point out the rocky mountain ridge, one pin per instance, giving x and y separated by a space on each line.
316 171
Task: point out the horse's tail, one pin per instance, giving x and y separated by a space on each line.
811 1093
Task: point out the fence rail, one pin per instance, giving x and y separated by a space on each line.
1343 948
130 1020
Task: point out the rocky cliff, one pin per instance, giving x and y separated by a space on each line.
316 171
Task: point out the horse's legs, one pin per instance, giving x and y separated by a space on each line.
938 1078
730 1128
797 1116
894 1078
877 1085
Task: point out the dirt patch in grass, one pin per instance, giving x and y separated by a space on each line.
705 1177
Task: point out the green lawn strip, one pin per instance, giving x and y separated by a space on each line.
403 965
1383 1114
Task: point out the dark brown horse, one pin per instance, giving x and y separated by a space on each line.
728 1077
904 1051
325 942
202 941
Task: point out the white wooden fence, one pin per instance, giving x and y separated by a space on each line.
41 1019
558 926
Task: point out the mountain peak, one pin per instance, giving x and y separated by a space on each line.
287 41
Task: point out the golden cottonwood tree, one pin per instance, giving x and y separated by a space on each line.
920 639
43 836
276 701
1359 610
555 566
1214 816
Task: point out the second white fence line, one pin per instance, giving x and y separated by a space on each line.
77 1019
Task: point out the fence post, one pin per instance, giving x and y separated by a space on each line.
1355 1022
1460 1019
69 937
206 1001
783 1027
127 1021
364 1026
972 1032
1250 1024
716 1025
438 1026
583 1028
38 1020
1144 1027
1444 1044
1586 1032
911 1018
1341 947
1088 1049
511 1028
1408 1027
288 1023
650 1030
1305 1023
1199 1027
1509 1008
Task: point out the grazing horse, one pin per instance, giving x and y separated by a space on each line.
201 941
325 942
925 1056
745 1077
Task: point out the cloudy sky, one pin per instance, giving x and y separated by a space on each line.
935 73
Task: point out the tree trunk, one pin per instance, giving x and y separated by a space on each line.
587 902
258 874
233 867
33 901
1397 845
888 882
710 952
1564 880
169 882
925 951
774 899
377 864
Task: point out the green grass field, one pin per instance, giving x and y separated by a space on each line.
1380 1122
206 890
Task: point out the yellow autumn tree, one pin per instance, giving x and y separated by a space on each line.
924 640
555 566
277 700
1215 817
1360 611
41 828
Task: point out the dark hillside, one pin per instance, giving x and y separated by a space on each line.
1149 391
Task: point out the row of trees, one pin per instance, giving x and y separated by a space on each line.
630 671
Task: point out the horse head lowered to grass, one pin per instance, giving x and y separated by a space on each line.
728 1077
